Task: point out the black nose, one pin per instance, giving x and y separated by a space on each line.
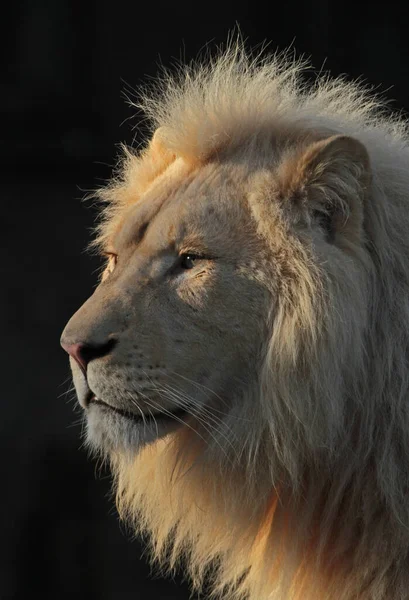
83 353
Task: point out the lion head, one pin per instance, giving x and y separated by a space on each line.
243 361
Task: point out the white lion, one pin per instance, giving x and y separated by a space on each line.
244 360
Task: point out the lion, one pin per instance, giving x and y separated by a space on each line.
243 362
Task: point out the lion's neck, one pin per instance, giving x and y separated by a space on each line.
331 539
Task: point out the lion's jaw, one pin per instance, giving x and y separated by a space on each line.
186 342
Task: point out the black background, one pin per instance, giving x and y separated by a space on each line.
65 66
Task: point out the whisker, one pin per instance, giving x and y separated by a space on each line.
154 420
183 403
205 410
75 423
178 398
66 380
71 389
200 385
170 414
145 424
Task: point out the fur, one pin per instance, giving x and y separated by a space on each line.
309 499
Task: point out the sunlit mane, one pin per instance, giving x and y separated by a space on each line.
304 494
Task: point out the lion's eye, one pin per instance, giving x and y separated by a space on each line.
187 261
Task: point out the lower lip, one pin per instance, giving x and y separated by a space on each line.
175 415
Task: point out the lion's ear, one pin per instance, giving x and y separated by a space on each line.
158 147
332 178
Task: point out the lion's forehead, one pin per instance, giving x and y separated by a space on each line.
207 203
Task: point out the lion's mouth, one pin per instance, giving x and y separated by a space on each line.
177 414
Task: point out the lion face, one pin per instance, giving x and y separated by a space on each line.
171 337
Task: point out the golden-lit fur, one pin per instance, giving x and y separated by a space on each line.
305 493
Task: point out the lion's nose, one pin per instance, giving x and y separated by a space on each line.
83 353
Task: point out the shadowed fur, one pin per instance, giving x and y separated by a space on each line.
298 487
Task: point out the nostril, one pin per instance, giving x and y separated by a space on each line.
84 353
90 352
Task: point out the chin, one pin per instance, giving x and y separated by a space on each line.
110 431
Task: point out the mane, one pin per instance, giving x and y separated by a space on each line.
314 495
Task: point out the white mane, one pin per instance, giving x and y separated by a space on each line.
352 401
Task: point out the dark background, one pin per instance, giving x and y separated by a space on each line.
64 67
